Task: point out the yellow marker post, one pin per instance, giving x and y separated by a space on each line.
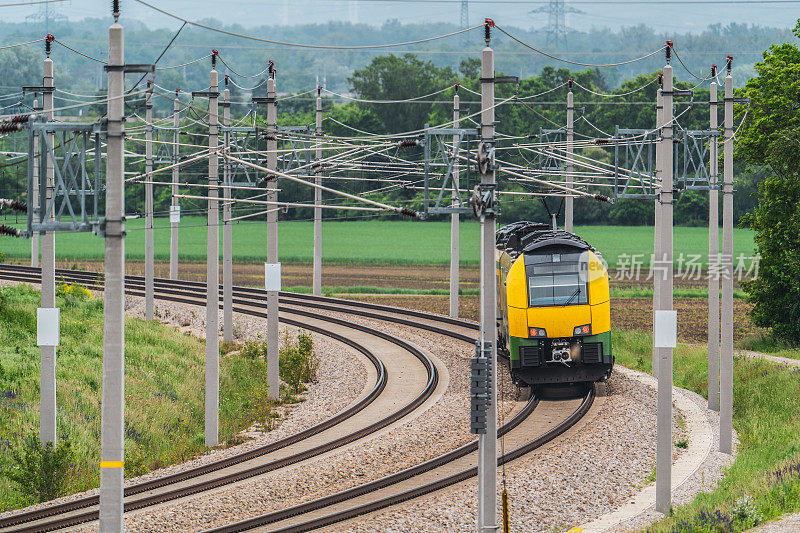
112 464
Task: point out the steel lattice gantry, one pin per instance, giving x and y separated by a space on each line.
440 147
75 152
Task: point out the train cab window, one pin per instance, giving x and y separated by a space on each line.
556 284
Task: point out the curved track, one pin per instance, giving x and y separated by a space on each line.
414 379
524 433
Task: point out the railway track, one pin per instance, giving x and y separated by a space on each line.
524 433
410 392
433 475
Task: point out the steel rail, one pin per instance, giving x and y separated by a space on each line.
253 471
306 300
343 496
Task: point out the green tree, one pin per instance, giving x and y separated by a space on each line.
398 78
770 137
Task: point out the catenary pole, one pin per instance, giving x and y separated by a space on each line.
47 376
454 217
272 238
487 442
112 439
34 200
227 228
713 256
569 201
726 368
317 267
175 204
657 222
664 420
149 251
212 265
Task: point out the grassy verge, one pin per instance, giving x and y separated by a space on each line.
764 480
164 384
768 344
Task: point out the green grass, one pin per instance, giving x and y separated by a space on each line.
764 480
376 241
677 292
766 343
164 384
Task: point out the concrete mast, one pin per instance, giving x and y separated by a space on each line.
175 206
487 442
227 229
149 252
569 201
726 367
212 266
112 438
317 281
713 255
47 376
34 200
454 217
664 354
273 332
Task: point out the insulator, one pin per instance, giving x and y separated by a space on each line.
8 230
14 205
407 143
409 212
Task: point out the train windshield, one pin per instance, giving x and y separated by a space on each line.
556 284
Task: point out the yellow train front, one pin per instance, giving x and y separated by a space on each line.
554 317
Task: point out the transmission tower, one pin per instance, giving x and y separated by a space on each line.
465 20
556 21
46 15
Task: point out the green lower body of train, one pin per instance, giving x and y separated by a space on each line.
537 361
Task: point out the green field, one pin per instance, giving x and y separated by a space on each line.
392 242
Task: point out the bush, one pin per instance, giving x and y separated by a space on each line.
254 348
298 364
41 471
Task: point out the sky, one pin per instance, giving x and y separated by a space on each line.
666 16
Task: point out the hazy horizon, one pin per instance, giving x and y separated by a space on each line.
662 17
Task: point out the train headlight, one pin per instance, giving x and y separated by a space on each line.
537 332
582 330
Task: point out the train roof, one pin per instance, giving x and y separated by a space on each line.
529 237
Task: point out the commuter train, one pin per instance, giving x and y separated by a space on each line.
554 317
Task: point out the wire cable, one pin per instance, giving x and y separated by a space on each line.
526 45
242 75
301 45
79 53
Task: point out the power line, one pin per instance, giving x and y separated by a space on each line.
301 45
